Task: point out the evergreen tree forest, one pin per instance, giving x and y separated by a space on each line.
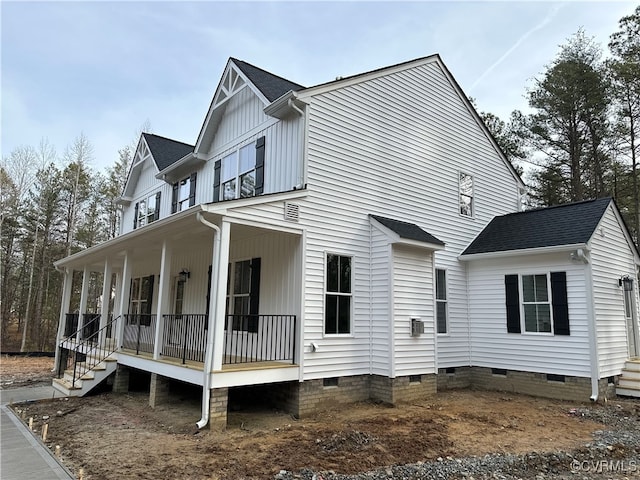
580 139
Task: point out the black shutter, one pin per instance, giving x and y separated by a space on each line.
174 197
560 303
254 295
156 214
150 296
192 189
259 166
135 216
216 181
206 325
513 303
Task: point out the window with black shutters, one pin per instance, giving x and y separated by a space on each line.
240 173
537 303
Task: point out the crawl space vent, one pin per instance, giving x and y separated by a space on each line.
291 212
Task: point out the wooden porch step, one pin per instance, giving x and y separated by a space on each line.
628 392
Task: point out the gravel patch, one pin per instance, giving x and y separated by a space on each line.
614 453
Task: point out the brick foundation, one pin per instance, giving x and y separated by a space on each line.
121 379
158 390
218 404
402 389
316 395
454 378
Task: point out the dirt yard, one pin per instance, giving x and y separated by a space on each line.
118 436
19 371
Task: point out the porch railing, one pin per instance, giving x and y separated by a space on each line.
259 338
89 352
71 324
139 332
185 336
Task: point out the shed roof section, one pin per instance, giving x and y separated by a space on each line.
408 231
271 86
569 224
165 151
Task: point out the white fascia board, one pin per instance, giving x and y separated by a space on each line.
524 251
230 205
363 77
124 201
396 239
623 227
171 173
281 107
121 240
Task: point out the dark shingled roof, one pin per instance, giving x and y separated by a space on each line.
569 224
410 231
269 84
166 151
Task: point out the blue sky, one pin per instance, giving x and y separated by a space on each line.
104 68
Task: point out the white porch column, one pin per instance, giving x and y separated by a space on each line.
106 297
221 301
164 289
64 309
83 302
125 282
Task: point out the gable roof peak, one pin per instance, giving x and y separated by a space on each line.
270 85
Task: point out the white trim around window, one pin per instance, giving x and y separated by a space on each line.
536 310
442 302
338 301
466 199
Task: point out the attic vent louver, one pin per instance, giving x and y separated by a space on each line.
291 212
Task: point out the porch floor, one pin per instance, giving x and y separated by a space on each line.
227 367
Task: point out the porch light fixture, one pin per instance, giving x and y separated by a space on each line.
184 275
626 283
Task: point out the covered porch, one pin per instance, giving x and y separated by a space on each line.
197 290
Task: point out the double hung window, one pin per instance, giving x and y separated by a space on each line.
338 295
441 300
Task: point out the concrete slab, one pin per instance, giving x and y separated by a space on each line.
23 456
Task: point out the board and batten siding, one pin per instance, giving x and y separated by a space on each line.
611 258
394 146
280 279
413 298
493 347
381 340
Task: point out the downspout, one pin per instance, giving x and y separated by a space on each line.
591 318
213 296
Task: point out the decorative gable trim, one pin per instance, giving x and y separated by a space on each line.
232 82
142 154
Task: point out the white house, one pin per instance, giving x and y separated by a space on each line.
340 242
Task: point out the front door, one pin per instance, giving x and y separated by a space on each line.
632 321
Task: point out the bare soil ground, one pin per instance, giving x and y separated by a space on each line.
19 371
118 436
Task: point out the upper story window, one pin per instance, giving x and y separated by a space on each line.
147 210
337 315
184 194
466 195
240 174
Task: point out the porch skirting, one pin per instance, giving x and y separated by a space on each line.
562 387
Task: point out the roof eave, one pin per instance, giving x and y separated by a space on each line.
523 251
174 172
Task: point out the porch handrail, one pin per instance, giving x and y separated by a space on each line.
258 338
85 330
94 347
139 332
185 336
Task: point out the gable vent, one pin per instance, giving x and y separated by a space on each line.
291 212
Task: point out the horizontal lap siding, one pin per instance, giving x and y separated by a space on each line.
380 312
413 298
492 346
393 146
611 258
